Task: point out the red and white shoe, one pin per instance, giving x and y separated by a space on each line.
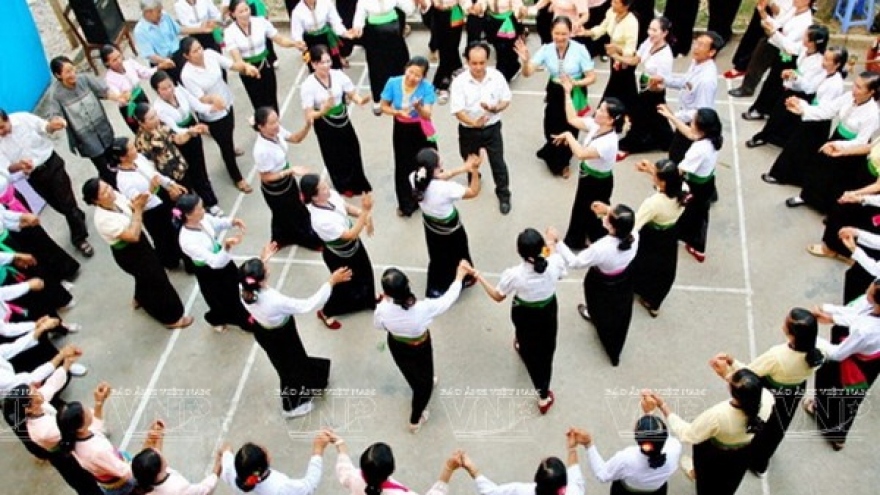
733 74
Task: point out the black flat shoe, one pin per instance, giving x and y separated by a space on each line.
739 92
753 115
794 202
755 142
769 179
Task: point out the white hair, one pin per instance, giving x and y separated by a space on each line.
150 4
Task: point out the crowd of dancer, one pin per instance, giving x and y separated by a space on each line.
156 209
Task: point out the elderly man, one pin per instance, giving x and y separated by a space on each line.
477 97
156 35
27 152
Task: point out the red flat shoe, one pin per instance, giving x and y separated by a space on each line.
700 257
622 155
733 74
329 322
551 399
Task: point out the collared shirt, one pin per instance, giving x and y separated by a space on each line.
722 422
134 73
467 94
313 93
781 364
208 80
176 484
657 63
350 478
604 254
790 30
26 139
660 209
173 116
111 223
528 285
862 120
250 42
367 8
276 483
271 155
700 159
440 197
631 467
606 145
304 19
330 222
157 39
575 485
87 126
574 62
697 88
158 146
394 93
203 245
809 74
624 34
864 329
134 182
414 322
272 308
197 13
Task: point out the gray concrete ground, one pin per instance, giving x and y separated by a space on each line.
211 388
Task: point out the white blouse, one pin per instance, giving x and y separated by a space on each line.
485 486
133 182
208 80
414 322
272 308
864 329
174 117
313 93
603 254
270 156
700 159
189 15
862 120
276 483
203 245
367 8
176 484
829 89
528 285
111 223
790 30
306 20
440 197
631 466
606 145
809 73
330 223
658 63
253 42
134 73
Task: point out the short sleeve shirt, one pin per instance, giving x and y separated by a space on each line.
394 94
575 61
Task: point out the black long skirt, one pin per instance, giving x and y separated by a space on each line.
781 124
262 91
719 471
357 294
827 177
609 301
536 328
506 60
40 303
448 38
386 53
291 222
555 122
836 405
644 12
407 139
583 224
324 39
341 151
765 442
648 129
693 225
301 376
847 215
219 287
50 256
790 166
196 179
618 488
622 85
597 15
655 264
772 89
152 289
447 246
416 363
682 14
159 222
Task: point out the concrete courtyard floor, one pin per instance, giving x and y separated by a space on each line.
214 388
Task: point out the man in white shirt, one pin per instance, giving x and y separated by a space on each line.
477 97
27 152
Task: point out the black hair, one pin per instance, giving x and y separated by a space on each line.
261 116
118 149
185 205
234 3
395 285
550 477
841 56
308 185
317 52
617 112
819 35
420 62
562 20
651 435
873 80
746 388
140 111
709 124
477 45
623 220
146 466
667 171
186 45
716 39
666 27
251 466
530 246
377 465
70 419
251 275
158 78
3 115
427 161
56 65
90 190
106 51
802 325
15 413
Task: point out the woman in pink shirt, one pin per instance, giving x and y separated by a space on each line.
124 77
151 471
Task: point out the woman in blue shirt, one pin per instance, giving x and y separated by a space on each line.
563 57
409 99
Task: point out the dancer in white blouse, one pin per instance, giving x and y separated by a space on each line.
317 23
406 319
153 474
248 471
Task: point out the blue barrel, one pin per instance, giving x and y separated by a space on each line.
24 71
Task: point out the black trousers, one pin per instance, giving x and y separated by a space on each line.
722 13
762 59
222 131
50 180
448 39
416 363
470 140
754 33
103 165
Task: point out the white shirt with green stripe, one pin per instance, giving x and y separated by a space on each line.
203 245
